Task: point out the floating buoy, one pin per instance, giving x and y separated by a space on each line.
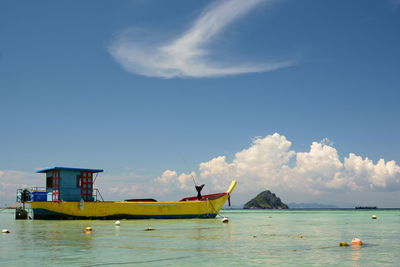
149 229
373 217
5 231
343 244
117 223
88 229
356 242
299 236
225 220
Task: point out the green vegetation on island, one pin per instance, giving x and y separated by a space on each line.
265 200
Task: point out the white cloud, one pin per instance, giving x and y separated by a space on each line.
123 186
11 180
167 177
380 176
319 167
260 165
171 179
270 164
395 2
327 141
188 55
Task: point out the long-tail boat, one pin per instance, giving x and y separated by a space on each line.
69 194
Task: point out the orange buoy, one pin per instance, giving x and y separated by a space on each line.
356 242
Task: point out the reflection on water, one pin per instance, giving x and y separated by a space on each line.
251 238
356 253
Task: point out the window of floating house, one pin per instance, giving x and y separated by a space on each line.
87 185
78 181
49 180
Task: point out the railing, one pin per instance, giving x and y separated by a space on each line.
96 195
38 189
25 194
19 195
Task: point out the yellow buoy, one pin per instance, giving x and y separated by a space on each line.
343 244
373 217
356 242
118 223
5 231
88 229
149 229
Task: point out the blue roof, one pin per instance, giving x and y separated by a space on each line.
68 168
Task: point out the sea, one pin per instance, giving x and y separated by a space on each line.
250 238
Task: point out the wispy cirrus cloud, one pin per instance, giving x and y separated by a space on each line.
189 54
395 2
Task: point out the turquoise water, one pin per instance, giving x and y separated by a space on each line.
251 238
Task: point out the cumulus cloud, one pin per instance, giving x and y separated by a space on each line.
382 176
188 55
172 179
269 163
168 186
262 164
126 185
11 180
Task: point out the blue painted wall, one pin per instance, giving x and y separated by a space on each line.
68 189
68 186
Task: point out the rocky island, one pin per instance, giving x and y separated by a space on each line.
265 200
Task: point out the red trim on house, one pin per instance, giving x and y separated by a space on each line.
56 185
87 185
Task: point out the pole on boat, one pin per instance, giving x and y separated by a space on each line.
198 188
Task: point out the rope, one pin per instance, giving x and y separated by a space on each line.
95 177
215 210
194 180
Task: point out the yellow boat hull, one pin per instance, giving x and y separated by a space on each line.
208 207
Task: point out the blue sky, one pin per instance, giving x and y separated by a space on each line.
151 90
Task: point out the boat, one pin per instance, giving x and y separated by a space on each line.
365 208
69 194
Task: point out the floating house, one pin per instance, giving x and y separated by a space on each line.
69 194
67 184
